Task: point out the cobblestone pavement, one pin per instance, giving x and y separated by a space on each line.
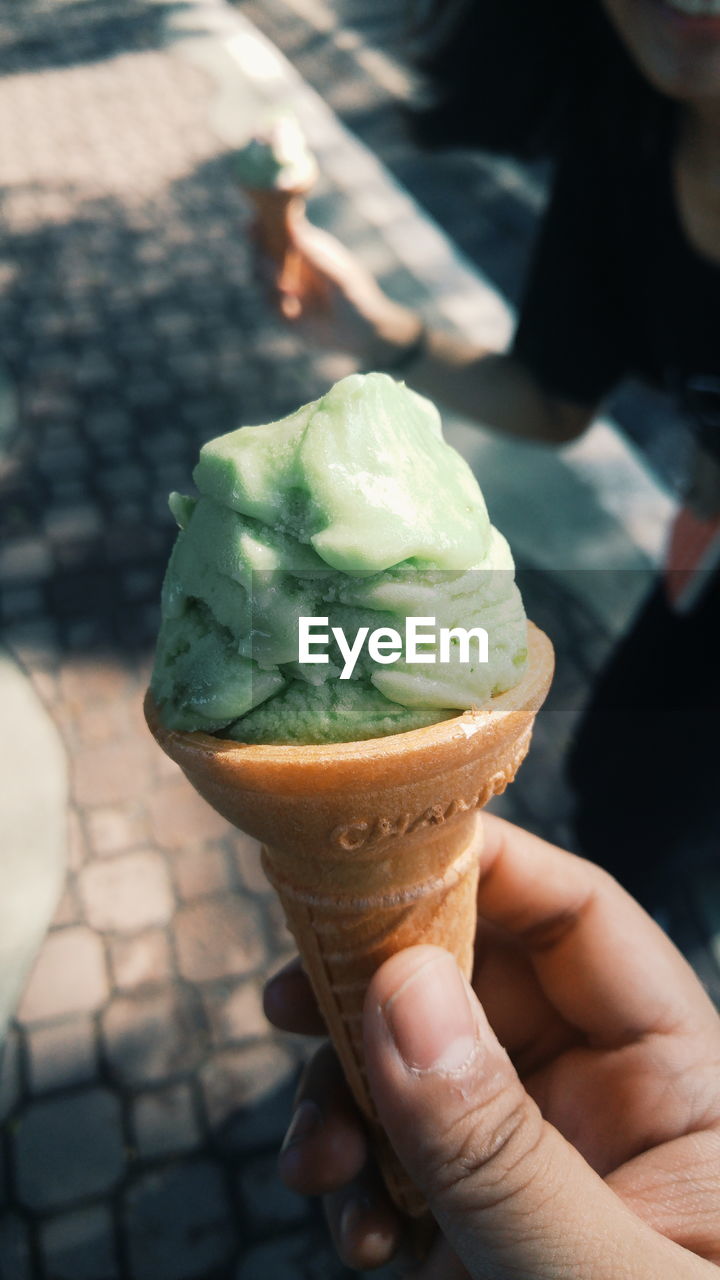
144 1094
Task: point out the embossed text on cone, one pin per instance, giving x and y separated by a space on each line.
373 846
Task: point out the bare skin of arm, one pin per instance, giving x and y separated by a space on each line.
339 305
496 390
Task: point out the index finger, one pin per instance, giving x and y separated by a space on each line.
606 966
289 1002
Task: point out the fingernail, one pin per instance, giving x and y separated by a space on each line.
430 1018
354 1217
306 1121
368 1234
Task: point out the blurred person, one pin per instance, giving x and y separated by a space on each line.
561 1116
625 96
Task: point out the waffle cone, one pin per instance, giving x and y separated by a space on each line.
372 847
273 212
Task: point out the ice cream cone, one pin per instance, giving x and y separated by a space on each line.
275 209
373 846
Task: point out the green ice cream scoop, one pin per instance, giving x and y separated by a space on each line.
338 578
276 156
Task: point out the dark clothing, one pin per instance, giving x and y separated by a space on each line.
646 764
616 288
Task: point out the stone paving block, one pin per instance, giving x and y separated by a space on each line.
201 872
26 559
86 631
179 818
46 686
218 938
68 1147
21 602
179 1223
71 460
62 1053
66 490
15 1261
80 1245
126 479
267 1202
69 976
35 643
140 959
261 1126
110 773
76 844
164 1121
92 680
72 522
140 584
128 512
115 423
234 1012
114 829
165 445
55 433
153 1036
236 1081
100 724
128 892
67 910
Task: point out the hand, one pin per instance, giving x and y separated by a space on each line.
589 1146
336 302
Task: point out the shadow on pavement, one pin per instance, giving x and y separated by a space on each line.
66 34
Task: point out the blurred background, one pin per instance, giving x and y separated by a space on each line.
143 1094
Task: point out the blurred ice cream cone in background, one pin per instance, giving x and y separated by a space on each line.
277 170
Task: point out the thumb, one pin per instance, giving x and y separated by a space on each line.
511 1195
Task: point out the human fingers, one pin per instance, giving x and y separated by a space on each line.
510 1194
289 1003
605 965
325 1147
676 1189
519 1011
325 1152
366 1229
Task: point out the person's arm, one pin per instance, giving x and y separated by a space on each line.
344 307
497 390
572 343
